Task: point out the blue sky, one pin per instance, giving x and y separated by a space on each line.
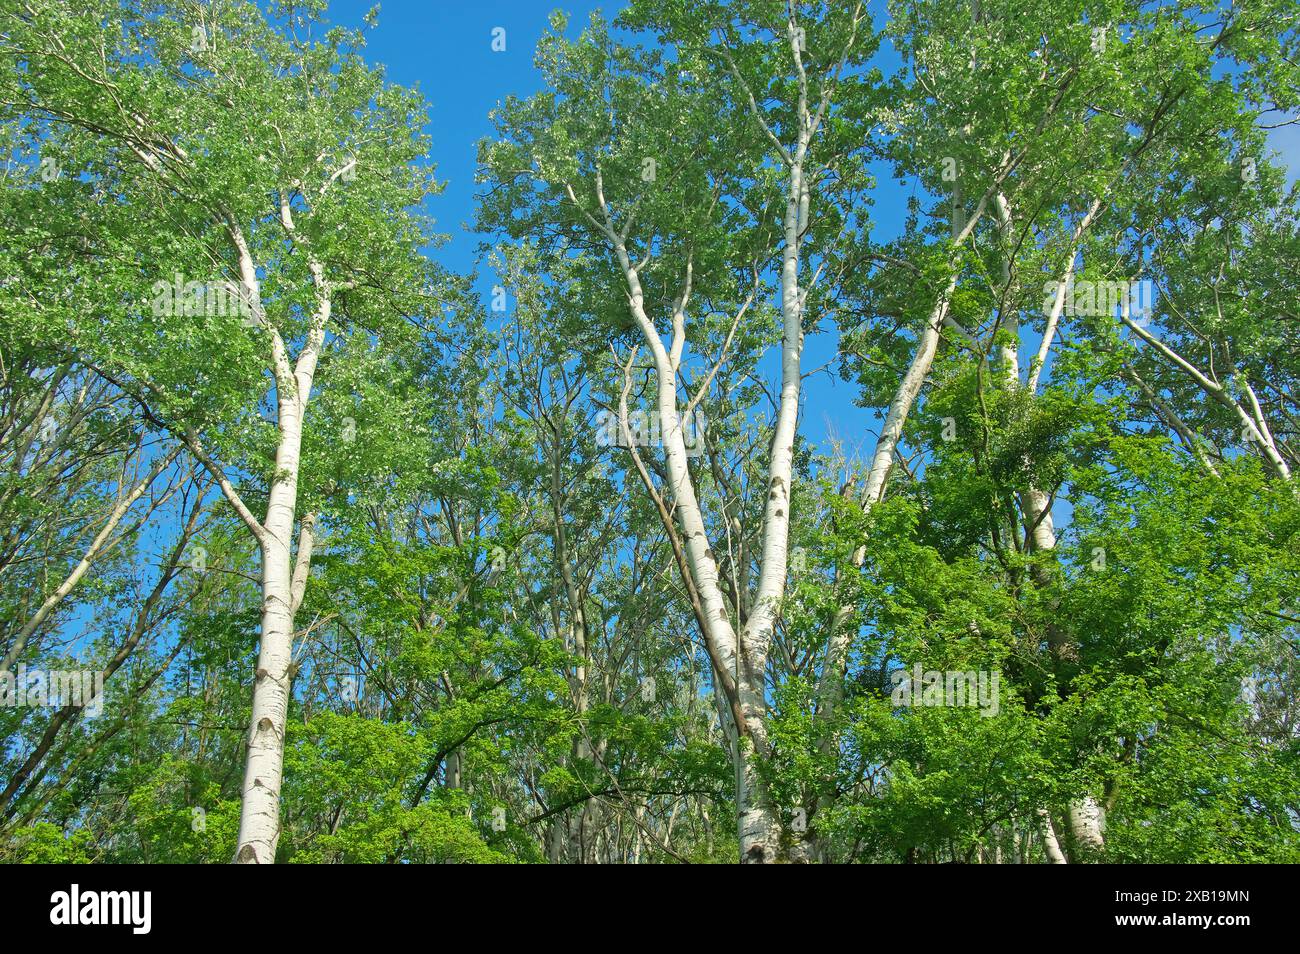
445 50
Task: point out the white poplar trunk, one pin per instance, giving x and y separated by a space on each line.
283 578
1051 845
259 820
1087 827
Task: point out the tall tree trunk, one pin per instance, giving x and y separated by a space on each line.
830 686
284 579
1086 825
259 821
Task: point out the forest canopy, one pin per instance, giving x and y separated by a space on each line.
316 547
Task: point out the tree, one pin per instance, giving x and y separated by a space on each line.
697 195
376 573
292 171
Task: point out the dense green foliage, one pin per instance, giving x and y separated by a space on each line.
498 655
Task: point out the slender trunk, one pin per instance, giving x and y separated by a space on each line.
1050 843
92 553
830 688
283 579
873 491
757 825
143 621
742 655
1035 505
259 821
759 828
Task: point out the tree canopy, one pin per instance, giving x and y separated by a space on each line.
315 549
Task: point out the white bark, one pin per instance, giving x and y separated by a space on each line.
1087 826
905 397
740 657
757 825
1086 822
259 821
759 829
1175 423
830 686
1051 845
1252 420
1058 303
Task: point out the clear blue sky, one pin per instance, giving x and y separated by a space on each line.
445 50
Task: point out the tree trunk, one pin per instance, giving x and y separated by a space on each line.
1050 843
259 820
1087 828
283 579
